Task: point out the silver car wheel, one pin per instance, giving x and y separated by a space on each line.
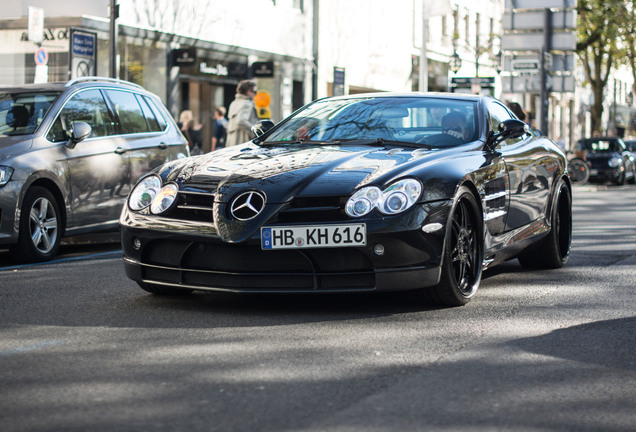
43 225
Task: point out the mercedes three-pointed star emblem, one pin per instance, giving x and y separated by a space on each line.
247 205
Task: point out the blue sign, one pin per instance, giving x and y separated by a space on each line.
83 44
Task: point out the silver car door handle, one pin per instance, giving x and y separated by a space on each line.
120 150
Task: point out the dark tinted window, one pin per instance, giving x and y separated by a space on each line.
153 125
127 108
86 106
158 116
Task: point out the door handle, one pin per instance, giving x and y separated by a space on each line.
163 146
120 151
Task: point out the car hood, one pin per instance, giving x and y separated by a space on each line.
13 145
284 172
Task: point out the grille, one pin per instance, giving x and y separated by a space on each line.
248 268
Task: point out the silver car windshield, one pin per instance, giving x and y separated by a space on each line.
22 113
415 120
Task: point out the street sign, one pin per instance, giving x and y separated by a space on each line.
534 20
539 4
532 83
83 53
561 41
525 65
41 56
36 24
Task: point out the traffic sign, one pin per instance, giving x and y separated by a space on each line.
41 56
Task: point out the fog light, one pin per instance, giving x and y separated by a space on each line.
136 243
432 227
378 249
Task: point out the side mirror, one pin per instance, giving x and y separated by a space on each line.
79 132
260 128
510 129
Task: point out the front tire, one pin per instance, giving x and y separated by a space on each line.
554 250
463 254
40 226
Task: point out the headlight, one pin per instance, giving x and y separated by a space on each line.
144 193
614 162
5 175
164 198
395 199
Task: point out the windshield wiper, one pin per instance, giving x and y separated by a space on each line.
383 142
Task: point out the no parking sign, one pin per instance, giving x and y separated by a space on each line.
41 57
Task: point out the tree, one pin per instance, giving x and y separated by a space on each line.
598 46
628 32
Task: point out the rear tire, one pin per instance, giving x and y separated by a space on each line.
40 226
164 290
463 254
554 250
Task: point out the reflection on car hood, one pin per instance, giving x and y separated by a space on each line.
292 170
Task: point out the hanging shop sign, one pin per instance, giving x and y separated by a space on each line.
263 69
184 56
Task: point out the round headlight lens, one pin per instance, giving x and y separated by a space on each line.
363 201
395 199
143 194
164 198
400 196
614 162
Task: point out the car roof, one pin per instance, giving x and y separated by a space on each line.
440 95
62 86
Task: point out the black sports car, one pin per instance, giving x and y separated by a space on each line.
374 192
609 159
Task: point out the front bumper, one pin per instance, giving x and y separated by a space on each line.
154 254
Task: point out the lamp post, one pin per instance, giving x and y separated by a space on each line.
455 63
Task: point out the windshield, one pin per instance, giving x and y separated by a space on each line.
601 146
416 120
22 113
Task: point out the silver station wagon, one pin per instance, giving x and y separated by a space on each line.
69 155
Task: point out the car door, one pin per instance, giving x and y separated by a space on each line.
149 141
529 172
96 174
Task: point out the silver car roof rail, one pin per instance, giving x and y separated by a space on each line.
98 78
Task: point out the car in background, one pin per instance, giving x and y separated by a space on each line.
609 159
360 193
70 154
631 145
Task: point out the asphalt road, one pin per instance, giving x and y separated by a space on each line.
83 349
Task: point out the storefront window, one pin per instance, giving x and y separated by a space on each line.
144 63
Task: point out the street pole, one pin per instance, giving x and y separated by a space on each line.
114 14
423 77
314 69
545 91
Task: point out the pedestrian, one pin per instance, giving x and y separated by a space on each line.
242 114
219 133
517 110
191 131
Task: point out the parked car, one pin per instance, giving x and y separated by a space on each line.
375 192
609 159
69 155
631 145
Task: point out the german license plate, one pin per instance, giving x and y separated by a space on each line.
313 236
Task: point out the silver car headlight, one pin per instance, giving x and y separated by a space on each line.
395 199
614 162
5 175
144 193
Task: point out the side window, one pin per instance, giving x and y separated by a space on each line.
157 112
497 114
86 106
126 107
153 125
